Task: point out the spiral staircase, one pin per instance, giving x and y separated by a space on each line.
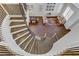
26 40
22 37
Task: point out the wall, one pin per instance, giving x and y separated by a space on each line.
57 9
68 41
12 9
39 9
35 9
71 39
75 17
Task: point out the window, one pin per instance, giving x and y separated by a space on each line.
68 13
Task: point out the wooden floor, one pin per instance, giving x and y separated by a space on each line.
50 28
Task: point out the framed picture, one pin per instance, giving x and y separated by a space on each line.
50 6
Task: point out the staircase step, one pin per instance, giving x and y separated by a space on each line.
17 20
17 28
16 23
36 47
19 31
19 34
44 46
25 42
25 39
8 53
14 26
32 46
18 41
28 43
4 51
22 35
29 46
2 48
70 52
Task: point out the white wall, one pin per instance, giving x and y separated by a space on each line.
68 41
57 9
71 39
39 9
35 10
